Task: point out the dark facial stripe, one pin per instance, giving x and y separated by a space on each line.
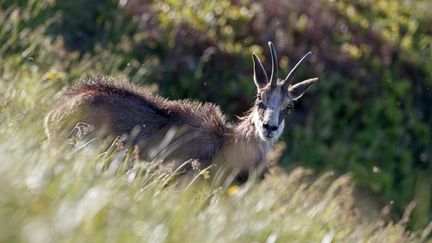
282 114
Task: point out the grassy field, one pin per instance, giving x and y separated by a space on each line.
53 195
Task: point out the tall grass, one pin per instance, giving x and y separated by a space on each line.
49 195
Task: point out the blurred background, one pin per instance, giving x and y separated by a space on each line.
370 114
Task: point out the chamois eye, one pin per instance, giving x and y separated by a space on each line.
260 102
261 98
286 105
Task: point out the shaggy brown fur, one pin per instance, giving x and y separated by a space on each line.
119 109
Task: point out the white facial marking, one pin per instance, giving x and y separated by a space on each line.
258 126
279 131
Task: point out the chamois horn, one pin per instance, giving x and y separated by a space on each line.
275 70
293 71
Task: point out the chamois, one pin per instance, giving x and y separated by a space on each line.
197 131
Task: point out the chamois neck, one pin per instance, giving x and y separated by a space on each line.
245 127
244 149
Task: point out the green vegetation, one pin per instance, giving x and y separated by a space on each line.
369 115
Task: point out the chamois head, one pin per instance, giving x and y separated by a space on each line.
275 96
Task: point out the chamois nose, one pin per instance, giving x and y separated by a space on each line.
270 127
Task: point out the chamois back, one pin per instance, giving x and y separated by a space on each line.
117 108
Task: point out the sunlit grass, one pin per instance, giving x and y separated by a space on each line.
69 199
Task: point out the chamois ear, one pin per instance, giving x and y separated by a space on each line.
296 91
260 76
